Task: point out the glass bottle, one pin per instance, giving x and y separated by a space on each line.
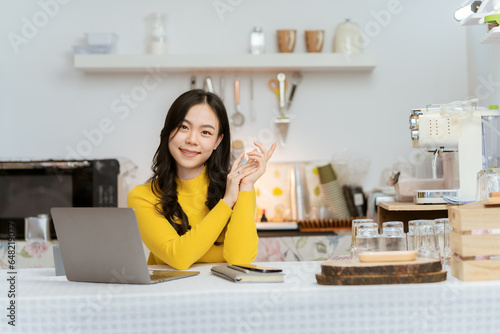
257 41
263 218
157 38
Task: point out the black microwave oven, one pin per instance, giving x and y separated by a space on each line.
31 188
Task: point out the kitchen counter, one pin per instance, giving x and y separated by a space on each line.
209 304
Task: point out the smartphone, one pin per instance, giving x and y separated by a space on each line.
256 268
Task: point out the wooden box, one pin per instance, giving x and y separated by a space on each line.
466 246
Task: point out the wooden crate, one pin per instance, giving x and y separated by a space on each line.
466 246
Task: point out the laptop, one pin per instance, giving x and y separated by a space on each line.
104 245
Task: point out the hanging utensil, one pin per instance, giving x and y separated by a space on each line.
297 78
273 85
282 91
209 87
193 82
238 119
252 108
222 82
282 122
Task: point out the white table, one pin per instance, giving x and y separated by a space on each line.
208 304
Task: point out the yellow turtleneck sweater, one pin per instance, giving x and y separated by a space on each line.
236 227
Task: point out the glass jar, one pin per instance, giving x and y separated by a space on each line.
347 38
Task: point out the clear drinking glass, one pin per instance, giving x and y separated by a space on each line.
367 237
393 237
443 230
426 240
410 236
488 181
355 225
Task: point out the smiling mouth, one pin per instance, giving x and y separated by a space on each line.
189 153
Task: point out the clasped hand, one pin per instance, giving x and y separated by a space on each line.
243 178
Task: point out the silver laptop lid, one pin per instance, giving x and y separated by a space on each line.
101 245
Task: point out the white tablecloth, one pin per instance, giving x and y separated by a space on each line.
208 304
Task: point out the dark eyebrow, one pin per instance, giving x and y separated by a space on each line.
203 126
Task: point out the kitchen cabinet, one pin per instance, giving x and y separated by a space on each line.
304 62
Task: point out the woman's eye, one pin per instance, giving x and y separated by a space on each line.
184 127
206 133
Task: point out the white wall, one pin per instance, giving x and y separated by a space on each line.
483 67
46 105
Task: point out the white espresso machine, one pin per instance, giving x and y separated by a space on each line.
459 127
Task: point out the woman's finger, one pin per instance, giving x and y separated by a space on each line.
266 153
257 158
271 151
239 174
243 168
254 155
237 162
262 148
247 171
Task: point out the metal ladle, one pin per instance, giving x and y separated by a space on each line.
238 119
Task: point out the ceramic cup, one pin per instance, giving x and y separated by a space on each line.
314 40
286 40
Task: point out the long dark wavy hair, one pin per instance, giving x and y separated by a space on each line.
165 168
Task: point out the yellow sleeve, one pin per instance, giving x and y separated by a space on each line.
241 241
161 238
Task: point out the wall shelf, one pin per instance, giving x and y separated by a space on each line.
472 19
312 62
491 37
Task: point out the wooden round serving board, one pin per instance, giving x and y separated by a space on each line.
348 267
381 279
359 273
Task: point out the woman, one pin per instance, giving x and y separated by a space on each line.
196 207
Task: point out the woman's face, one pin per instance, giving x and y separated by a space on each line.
195 140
